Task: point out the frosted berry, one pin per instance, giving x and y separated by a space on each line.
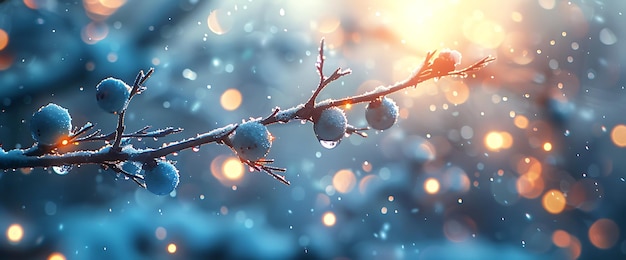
50 124
446 61
381 113
251 141
112 95
162 178
330 124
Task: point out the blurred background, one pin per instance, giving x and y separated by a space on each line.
522 160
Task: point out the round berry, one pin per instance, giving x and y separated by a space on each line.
112 95
330 124
381 113
251 141
50 124
162 178
446 61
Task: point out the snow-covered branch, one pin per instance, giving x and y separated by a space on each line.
250 140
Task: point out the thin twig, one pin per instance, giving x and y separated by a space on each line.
39 156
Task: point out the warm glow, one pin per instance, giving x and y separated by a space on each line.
4 39
529 187
6 61
529 166
231 99
94 32
365 182
367 166
402 67
575 248
344 181
547 146
228 170
328 23
496 141
553 201
456 92
171 248
219 21
32 4
112 3
64 142
603 233
99 10
56 256
561 238
431 186
618 135
15 233
329 219
233 169
547 4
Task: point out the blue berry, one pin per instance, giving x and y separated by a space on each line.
330 124
50 124
162 178
251 141
112 95
381 113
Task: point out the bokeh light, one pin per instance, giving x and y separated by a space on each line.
229 170
344 181
171 248
15 233
553 201
561 238
56 256
233 169
618 135
160 233
547 146
231 99
456 92
4 39
496 140
604 233
219 21
329 219
521 121
431 186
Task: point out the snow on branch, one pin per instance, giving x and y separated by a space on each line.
51 127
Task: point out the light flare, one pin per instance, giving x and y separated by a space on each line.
329 219
231 99
431 186
554 201
344 181
15 233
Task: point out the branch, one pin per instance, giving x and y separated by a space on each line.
111 156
